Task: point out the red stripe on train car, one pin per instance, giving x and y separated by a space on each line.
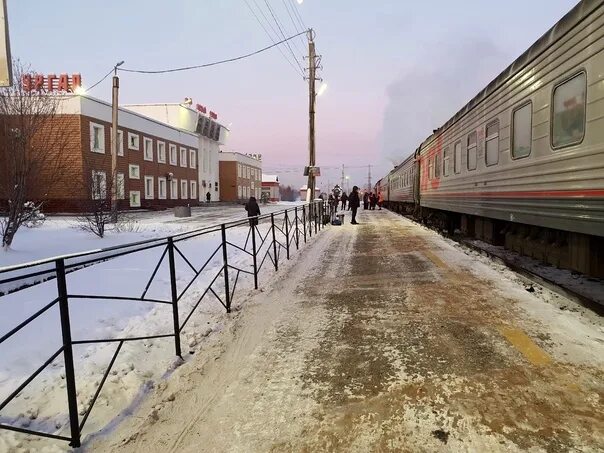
523 194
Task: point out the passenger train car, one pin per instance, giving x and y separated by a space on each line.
522 164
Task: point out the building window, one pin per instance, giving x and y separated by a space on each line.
239 170
134 171
99 185
121 186
120 141
149 189
162 188
492 143
174 189
193 190
247 172
430 168
135 199
183 157
173 157
471 151
457 158
446 161
568 114
148 149
239 193
184 189
133 141
522 131
192 158
161 152
437 165
97 138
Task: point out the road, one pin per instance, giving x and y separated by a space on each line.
385 337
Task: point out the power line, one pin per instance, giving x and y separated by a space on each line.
269 35
301 27
206 65
104 77
296 28
298 16
283 34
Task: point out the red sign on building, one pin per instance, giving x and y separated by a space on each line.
51 82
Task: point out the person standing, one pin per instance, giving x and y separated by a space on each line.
208 197
365 200
354 202
253 211
344 200
372 201
380 200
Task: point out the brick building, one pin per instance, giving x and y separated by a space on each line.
240 176
156 163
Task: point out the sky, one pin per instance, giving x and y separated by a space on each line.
395 69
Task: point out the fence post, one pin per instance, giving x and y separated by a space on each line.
315 212
70 382
274 242
287 233
225 260
253 227
310 220
174 291
304 222
297 229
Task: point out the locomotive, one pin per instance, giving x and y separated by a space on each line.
522 163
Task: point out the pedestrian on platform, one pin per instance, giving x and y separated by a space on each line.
365 200
380 200
208 197
344 200
372 201
253 210
354 202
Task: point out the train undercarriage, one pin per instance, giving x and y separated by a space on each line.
562 249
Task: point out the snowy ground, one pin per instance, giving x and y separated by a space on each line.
139 363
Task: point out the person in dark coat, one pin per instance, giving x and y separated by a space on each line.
354 202
208 197
253 210
372 201
344 200
365 200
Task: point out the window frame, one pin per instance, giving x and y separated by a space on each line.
101 148
102 189
583 71
120 182
160 159
193 189
446 161
521 106
145 141
192 158
180 154
161 179
469 148
138 141
152 179
138 171
455 172
174 193
184 194
138 193
173 147
486 140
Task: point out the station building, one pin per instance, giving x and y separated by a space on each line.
240 176
211 136
157 163
270 188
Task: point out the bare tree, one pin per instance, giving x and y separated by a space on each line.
32 143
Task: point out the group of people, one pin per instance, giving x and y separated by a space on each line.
370 201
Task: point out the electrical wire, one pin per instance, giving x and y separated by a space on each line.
206 65
298 16
282 33
298 29
271 37
104 77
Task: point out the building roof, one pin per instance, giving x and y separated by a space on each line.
270 178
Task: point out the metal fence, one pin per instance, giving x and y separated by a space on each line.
268 238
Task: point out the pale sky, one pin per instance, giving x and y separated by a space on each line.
395 69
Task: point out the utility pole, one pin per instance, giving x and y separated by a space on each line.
369 178
114 143
312 97
342 181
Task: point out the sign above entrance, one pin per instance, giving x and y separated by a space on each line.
51 82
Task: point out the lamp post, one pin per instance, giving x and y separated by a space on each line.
114 144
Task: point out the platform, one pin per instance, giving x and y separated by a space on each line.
386 337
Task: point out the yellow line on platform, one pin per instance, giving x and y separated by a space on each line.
523 343
435 259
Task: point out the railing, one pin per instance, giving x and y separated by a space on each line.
268 237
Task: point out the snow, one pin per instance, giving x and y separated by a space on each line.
139 363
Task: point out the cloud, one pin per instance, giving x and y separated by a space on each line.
433 88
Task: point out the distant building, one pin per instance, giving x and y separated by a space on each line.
304 189
210 132
240 176
270 187
156 163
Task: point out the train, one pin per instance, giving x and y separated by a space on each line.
522 163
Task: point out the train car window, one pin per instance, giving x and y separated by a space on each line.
446 161
437 165
492 143
471 151
568 114
431 168
457 158
522 126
